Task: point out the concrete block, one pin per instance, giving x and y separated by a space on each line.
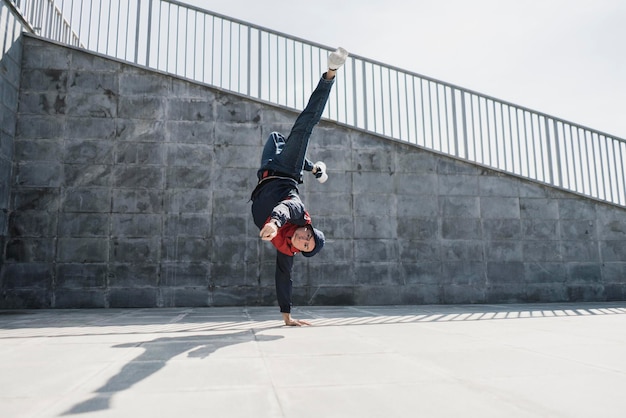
137 201
503 272
83 225
39 127
373 161
133 275
191 297
188 225
580 250
132 298
30 250
322 274
27 276
144 83
229 274
246 296
423 185
584 273
230 108
467 250
186 249
542 251
371 204
83 250
504 251
463 294
203 132
152 153
141 130
26 299
327 204
85 200
498 186
79 299
531 208
38 150
38 199
613 250
460 206
540 229
615 292
136 177
423 272
189 109
197 177
499 207
417 228
546 273
136 225
419 251
135 250
94 82
614 272
186 200
96 104
332 296
32 224
578 230
81 276
577 209
87 175
612 228
502 229
88 152
458 185
87 128
546 293
459 228
379 250
185 274
152 108
585 293
234 156
38 174
374 227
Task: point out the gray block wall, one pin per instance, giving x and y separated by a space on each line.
10 60
131 188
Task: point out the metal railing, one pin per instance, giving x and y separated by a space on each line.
193 43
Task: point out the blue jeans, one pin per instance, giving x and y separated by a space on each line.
288 156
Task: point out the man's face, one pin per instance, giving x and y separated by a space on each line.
303 239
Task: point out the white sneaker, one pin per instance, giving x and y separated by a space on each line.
320 172
337 58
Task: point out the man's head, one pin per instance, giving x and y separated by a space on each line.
308 240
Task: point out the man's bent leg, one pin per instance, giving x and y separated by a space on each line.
291 160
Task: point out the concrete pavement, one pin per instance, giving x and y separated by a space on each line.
552 360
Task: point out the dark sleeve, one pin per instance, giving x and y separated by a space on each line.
284 264
289 210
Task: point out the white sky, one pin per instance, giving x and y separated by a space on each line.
566 58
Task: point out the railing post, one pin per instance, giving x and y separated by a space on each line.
149 33
455 131
365 125
549 151
137 31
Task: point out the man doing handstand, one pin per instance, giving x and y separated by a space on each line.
277 209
